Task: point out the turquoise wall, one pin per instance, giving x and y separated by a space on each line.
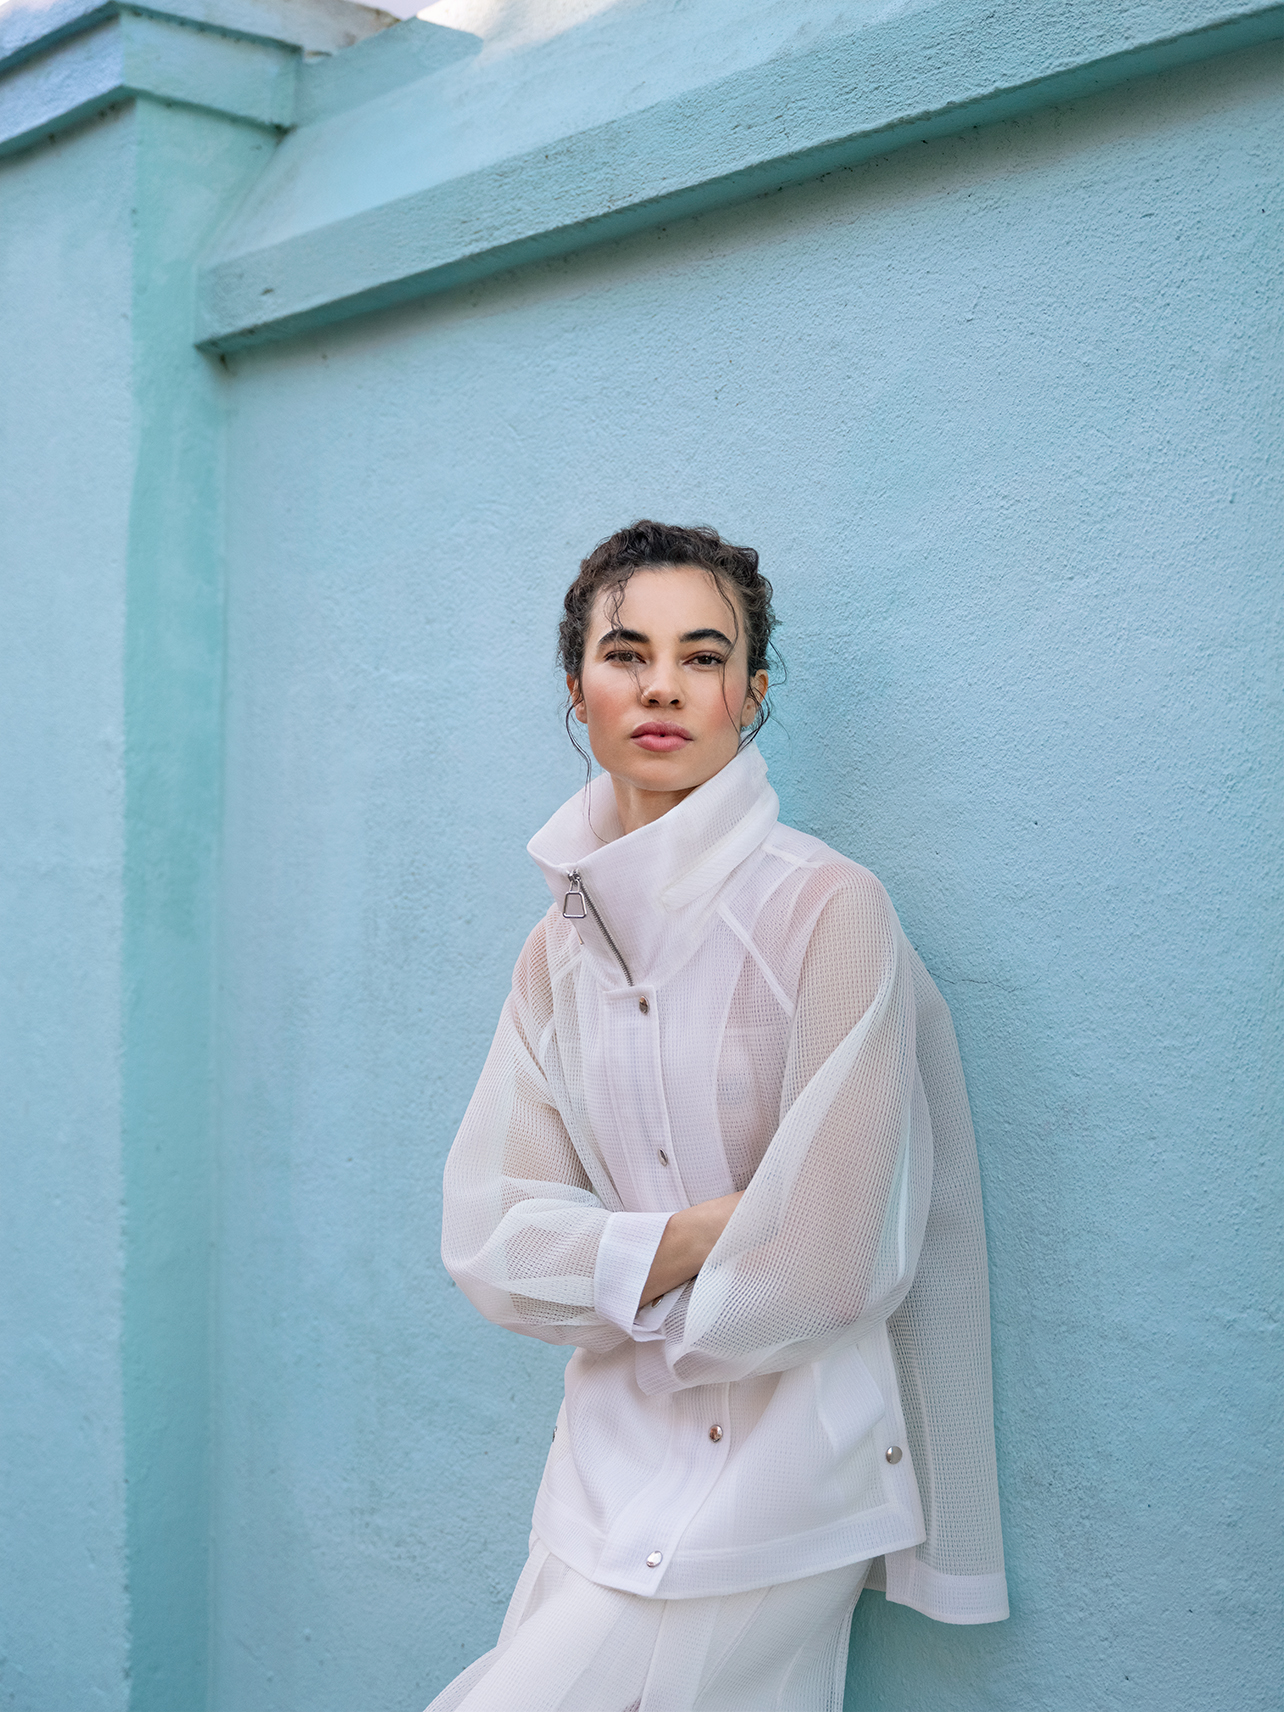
999 410
997 414
65 264
111 629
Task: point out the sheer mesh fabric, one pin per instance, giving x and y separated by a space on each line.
835 1141
941 1333
751 1065
771 1295
520 1197
740 1010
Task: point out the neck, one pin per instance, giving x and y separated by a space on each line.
637 808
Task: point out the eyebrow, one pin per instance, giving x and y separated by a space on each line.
689 636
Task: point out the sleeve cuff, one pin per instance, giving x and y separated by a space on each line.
624 1258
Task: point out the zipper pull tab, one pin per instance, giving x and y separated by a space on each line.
573 903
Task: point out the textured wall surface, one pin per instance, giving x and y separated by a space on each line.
189 165
280 712
65 263
996 411
519 146
110 680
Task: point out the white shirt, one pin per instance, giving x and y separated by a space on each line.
717 1002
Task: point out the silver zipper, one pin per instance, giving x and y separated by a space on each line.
577 895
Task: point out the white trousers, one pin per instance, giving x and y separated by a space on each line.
568 1645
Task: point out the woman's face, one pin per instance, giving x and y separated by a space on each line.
665 689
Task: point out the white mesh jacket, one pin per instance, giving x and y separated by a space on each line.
717 1002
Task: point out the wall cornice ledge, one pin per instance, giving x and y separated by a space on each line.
924 74
64 62
31 27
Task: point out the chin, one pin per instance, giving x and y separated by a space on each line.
684 778
657 772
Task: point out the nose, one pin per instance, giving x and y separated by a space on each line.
660 687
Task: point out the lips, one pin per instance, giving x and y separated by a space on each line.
660 737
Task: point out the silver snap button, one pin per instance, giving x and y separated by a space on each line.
663 1156
715 1433
643 1006
655 1560
893 1453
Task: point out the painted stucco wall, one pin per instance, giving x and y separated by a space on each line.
110 702
66 262
998 413
999 408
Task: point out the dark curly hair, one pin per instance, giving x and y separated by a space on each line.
646 544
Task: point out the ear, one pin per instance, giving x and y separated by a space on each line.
576 694
753 698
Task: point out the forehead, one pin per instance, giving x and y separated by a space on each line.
665 600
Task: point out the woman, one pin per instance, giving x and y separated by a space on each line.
721 1144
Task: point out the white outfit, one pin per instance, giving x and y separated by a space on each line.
570 1645
716 1002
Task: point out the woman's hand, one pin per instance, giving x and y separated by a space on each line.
686 1244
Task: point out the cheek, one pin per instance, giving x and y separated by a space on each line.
608 695
719 702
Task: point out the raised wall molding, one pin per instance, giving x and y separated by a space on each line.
924 74
355 213
62 64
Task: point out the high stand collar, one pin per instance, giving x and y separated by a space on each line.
651 887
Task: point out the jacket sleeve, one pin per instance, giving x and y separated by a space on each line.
523 1233
825 1241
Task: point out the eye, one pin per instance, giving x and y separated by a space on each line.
627 655
708 660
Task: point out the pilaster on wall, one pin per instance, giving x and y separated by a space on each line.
62 64
188 165
129 135
395 201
